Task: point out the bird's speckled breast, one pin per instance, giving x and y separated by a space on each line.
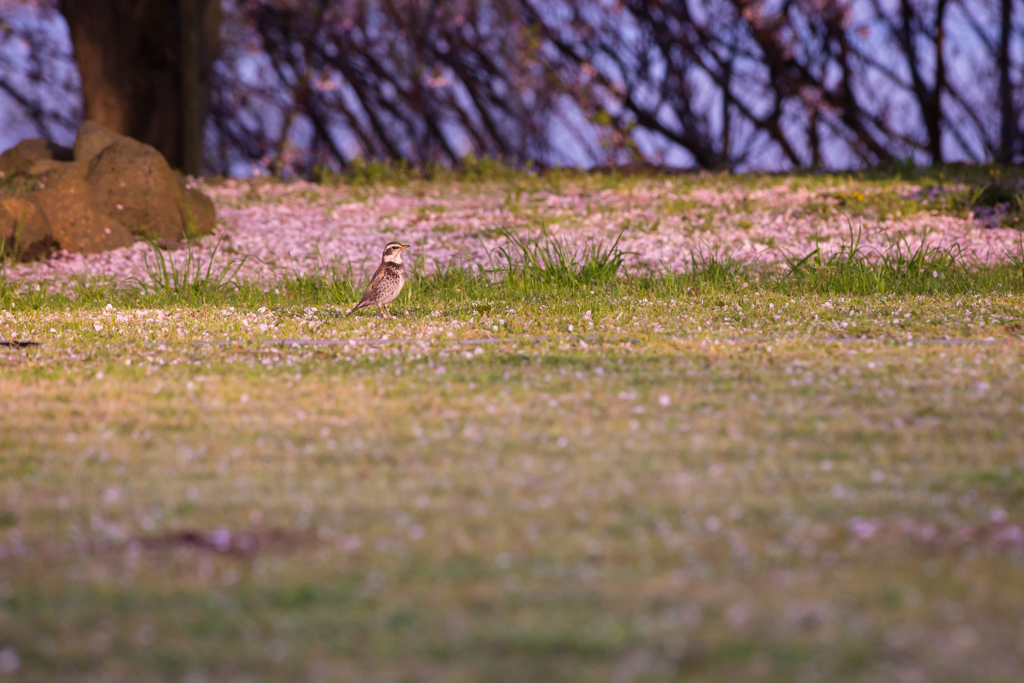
392 282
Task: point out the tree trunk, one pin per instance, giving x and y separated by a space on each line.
191 98
130 58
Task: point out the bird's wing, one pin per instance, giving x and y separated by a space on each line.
370 293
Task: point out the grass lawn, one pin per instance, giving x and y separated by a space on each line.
723 476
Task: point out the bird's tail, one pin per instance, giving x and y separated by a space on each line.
361 304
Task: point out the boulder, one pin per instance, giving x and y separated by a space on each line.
102 195
20 158
198 213
49 171
137 187
24 231
92 139
77 221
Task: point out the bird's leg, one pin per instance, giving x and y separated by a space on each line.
380 307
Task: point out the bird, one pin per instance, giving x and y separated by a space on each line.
387 280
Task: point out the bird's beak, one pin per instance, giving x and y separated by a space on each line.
405 246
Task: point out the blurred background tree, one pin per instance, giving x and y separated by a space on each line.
286 86
139 71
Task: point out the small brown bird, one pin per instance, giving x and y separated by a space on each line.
387 280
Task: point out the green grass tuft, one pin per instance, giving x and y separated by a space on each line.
196 279
532 263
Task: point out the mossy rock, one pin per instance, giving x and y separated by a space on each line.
198 213
18 160
50 171
102 195
25 232
77 220
136 186
93 138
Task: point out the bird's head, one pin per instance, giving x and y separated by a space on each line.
393 252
